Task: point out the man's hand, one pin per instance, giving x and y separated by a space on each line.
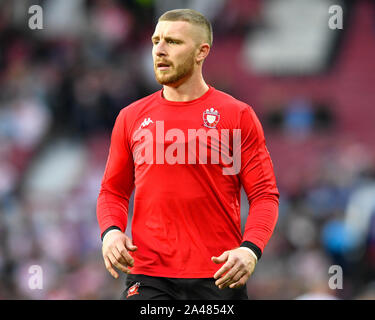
115 252
239 266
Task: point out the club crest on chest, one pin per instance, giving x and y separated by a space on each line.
211 118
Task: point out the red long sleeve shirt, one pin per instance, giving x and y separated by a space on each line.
186 209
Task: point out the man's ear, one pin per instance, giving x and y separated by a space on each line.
203 51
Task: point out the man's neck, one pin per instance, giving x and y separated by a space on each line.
187 91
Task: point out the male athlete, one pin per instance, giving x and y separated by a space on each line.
186 150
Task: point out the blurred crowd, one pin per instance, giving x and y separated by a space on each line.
61 89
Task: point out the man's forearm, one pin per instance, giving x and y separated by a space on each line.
260 224
112 212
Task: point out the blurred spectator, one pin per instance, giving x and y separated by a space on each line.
298 117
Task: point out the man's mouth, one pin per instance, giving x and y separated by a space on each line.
162 66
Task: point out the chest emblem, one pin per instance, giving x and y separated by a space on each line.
211 118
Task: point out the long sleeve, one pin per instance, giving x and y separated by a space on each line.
258 179
118 180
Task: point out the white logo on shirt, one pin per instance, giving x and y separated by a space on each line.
145 123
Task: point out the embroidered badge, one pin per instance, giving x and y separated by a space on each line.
211 118
133 290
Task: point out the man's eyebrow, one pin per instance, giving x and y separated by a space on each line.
166 38
173 38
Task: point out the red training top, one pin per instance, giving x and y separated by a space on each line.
186 209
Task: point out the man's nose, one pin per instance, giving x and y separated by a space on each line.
160 49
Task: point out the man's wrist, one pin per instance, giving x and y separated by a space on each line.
108 230
251 252
255 249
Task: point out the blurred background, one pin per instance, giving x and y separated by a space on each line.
313 89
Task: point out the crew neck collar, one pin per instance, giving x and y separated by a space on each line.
184 103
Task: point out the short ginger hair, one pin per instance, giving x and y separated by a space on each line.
191 16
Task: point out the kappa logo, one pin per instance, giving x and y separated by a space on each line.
211 118
145 123
133 290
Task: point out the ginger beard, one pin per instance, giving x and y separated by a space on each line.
175 73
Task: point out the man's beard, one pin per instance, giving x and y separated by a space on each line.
182 71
